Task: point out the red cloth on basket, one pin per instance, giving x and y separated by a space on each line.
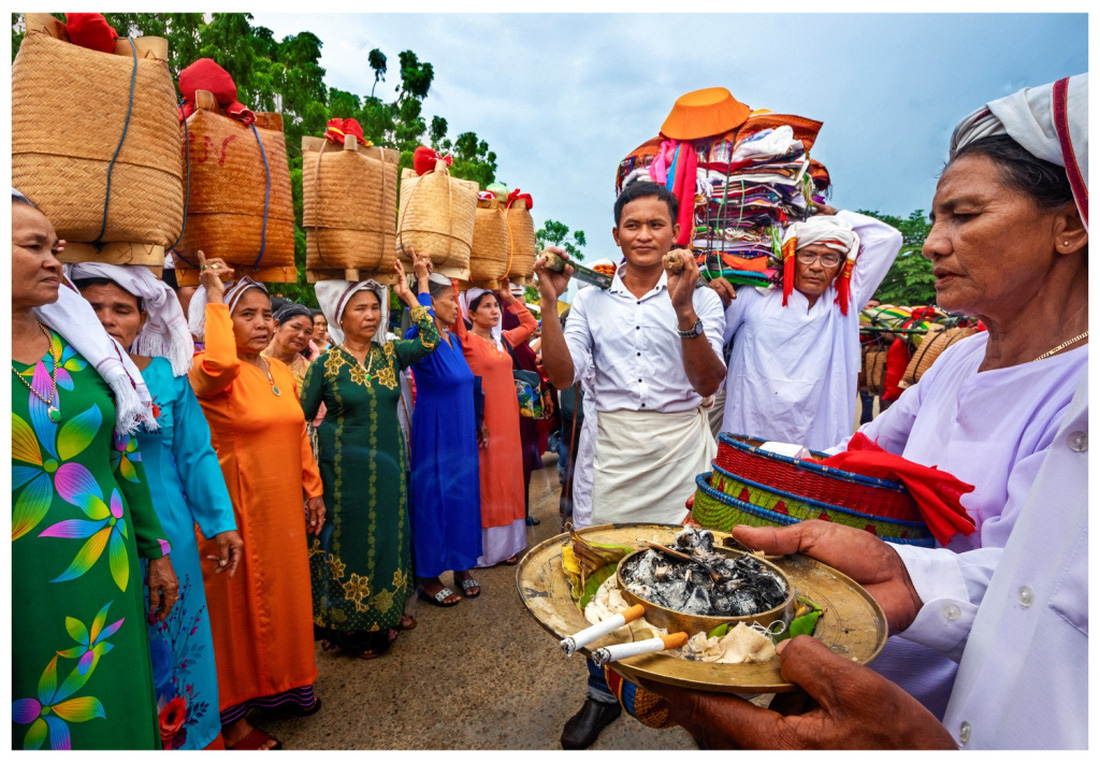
205 74
337 128
938 493
424 159
90 30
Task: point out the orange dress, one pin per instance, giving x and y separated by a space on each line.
262 617
501 461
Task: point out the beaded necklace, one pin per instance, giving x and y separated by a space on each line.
52 409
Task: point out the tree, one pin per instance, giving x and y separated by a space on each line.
909 280
553 233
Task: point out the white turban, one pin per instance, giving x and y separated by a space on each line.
1049 121
165 333
333 296
234 290
825 230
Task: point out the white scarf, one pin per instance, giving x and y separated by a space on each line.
333 296
196 309
828 230
165 333
1033 118
76 321
468 297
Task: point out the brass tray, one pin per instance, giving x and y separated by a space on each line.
853 625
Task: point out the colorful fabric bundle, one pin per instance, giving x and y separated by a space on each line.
649 708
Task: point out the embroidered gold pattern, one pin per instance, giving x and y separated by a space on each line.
400 579
356 589
383 601
359 375
333 364
336 566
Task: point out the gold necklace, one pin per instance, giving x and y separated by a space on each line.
1062 346
267 370
52 409
370 356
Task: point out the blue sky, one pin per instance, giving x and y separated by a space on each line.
562 98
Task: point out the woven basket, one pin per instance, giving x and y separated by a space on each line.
522 228
228 185
491 251
68 110
436 217
741 457
716 510
931 348
874 369
349 197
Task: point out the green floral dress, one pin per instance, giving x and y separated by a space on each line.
360 564
81 515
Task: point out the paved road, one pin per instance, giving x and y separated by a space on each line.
481 675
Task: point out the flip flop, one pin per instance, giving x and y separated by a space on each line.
406 623
255 739
466 585
512 560
438 599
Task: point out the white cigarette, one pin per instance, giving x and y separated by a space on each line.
617 652
570 644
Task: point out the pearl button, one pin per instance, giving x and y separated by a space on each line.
964 732
1025 596
1078 441
951 612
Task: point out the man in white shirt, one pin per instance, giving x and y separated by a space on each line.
796 354
654 343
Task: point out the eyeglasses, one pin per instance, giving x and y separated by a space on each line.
828 260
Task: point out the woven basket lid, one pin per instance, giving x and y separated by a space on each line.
710 111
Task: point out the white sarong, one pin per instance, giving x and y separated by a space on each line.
646 463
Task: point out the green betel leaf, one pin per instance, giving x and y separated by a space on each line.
594 581
720 631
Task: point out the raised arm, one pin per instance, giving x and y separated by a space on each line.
879 245
702 361
527 323
198 467
555 352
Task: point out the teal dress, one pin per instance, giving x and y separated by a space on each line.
188 488
81 516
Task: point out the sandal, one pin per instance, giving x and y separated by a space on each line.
439 598
371 653
312 709
466 584
254 740
406 623
512 560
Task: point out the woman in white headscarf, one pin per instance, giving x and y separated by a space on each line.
360 563
262 618
81 516
141 312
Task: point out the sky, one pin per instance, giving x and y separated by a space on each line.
562 98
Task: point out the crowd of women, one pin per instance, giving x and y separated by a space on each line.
322 496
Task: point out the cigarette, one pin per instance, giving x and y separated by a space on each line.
570 644
617 652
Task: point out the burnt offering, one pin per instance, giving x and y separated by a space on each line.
697 580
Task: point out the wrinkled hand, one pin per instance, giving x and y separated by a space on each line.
552 285
824 209
212 274
230 547
164 588
422 265
857 553
681 286
852 707
315 514
401 288
483 437
725 290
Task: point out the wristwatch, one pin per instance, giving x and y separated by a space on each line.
694 331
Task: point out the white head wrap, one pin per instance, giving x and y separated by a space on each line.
464 301
76 321
1049 121
165 333
828 230
196 309
333 297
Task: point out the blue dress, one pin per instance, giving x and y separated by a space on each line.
187 486
445 484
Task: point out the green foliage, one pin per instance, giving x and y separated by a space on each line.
554 233
909 281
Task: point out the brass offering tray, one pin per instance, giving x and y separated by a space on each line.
853 625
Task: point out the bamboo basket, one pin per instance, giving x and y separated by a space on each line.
349 197
229 186
931 348
522 228
436 217
492 248
71 113
874 369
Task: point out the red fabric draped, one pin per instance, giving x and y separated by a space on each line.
90 30
515 196
206 74
424 160
897 360
337 128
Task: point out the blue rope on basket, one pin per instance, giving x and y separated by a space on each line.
121 140
267 196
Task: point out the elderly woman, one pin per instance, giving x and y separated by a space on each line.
81 516
359 564
503 532
445 494
261 619
142 313
290 343
1008 245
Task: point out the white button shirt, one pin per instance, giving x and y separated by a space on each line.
633 347
1022 681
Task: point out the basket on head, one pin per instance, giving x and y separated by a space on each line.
492 250
349 196
436 217
71 111
525 248
931 348
239 206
